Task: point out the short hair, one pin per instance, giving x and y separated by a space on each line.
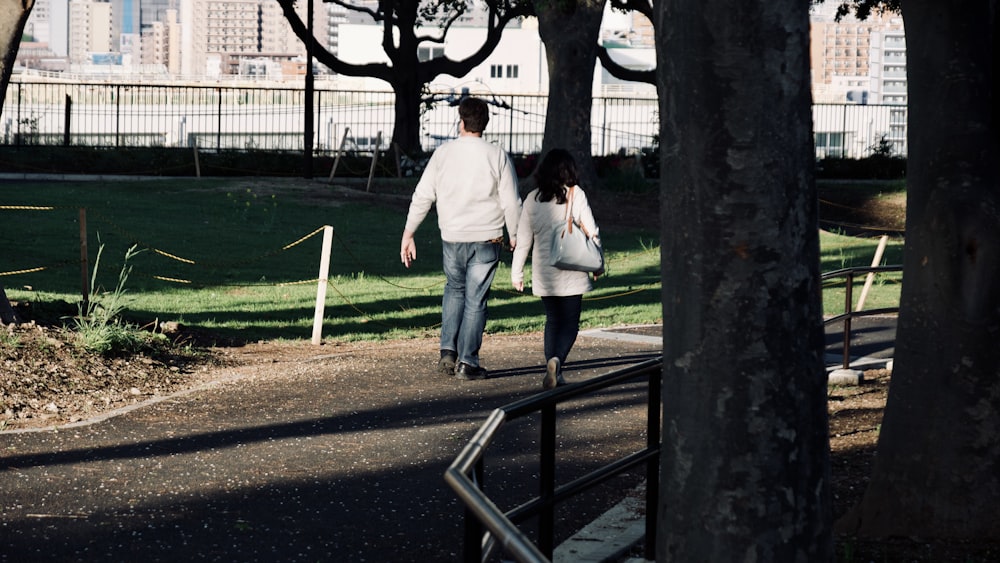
474 113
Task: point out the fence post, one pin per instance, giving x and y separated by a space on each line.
340 151
66 119
324 275
371 171
197 164
871 275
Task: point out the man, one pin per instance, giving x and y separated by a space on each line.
474 185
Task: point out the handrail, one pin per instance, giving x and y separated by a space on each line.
465 474
849 314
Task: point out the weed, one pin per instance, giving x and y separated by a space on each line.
98 322
9 338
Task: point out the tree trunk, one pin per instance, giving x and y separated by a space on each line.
745 460
937 470
406 131
7 313
13 15
570 31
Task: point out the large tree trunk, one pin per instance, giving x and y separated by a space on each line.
406 128
13 15
570 31
745 459
937 470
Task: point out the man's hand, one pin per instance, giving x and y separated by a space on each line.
407 249
519 286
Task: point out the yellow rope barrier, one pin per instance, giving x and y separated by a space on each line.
26 271
28 207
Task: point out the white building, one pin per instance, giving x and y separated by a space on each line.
90 33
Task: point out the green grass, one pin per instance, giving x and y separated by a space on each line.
239 258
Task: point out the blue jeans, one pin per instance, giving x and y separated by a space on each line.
562 323
469 268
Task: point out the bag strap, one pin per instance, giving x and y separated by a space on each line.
569 209
569 214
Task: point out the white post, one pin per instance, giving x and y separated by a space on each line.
324 274
340 151
371 171
871 275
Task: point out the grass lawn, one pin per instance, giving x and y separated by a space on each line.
239 258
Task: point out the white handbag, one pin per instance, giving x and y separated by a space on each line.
573 248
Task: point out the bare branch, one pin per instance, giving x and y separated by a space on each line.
361 9
623 73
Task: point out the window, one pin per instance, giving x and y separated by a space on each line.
830 144
501 71
425 54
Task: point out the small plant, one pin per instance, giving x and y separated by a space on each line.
9 338
245 203
882 149
98 322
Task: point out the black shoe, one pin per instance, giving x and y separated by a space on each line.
469 372
446 364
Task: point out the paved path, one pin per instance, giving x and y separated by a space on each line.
319 463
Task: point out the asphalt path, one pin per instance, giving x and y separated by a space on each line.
321 462
313 460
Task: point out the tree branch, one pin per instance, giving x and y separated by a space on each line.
497 21
361 9
375 70
623 73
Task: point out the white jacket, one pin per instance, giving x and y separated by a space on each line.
538 220
474 185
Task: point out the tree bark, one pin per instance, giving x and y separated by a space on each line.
13 15
745 458
570 31
937 469
7 313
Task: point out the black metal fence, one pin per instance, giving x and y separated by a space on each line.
215 117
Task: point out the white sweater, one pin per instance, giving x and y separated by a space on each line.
538 220
474 185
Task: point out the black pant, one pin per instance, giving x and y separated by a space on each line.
562 322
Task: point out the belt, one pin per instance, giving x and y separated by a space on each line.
498 240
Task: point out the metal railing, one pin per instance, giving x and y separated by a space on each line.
466 473
488 528
849 313
228 117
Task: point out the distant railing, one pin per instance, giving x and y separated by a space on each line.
225 117
850 313
216 117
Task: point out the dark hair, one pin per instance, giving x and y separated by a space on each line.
556 173
474 114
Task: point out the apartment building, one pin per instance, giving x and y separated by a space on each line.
90 33
858 61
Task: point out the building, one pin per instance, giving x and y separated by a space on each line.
90 35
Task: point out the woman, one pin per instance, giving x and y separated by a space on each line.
561 290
